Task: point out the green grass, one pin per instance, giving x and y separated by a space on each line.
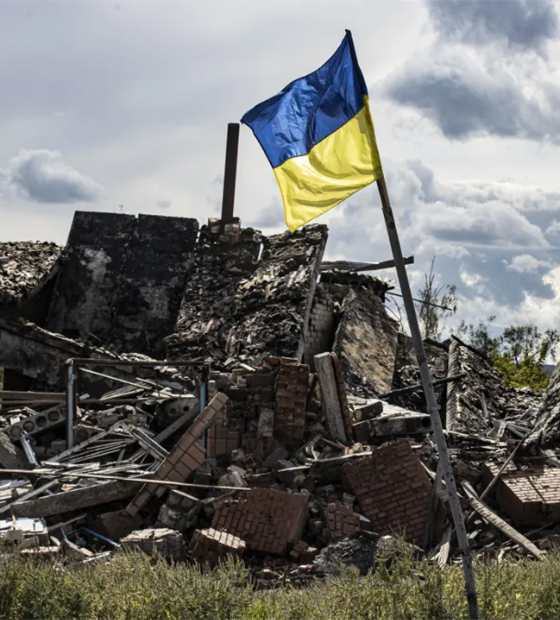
138 587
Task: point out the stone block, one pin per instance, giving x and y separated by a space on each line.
210 546
166 543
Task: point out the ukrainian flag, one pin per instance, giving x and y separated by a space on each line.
319 138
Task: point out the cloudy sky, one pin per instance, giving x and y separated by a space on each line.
124 105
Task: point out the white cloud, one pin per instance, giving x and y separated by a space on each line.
554 228
525 263
486 73
43 176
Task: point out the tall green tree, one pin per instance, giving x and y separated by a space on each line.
519 353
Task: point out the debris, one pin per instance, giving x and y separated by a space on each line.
268 521
329 396
11 457
342 521
392 489
495 520
186 456
74 499
358 550
529 495
166 543
210 546
287 424
25 268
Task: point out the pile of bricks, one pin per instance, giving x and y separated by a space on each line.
320 328
221 440
231 232
210 546
187 455
392 489
530 496
249 392
291 400
342 521
268 521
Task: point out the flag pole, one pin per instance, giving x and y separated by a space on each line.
433 408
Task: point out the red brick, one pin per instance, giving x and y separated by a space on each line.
262 519
398 497
529 497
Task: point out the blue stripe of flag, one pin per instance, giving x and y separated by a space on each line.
311 108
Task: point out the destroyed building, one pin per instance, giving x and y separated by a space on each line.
208 391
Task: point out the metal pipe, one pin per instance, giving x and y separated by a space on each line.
70 404
433 408
88 361
346 265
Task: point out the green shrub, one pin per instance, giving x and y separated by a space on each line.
135 586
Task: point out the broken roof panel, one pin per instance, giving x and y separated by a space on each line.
481 397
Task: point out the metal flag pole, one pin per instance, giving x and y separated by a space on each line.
433 408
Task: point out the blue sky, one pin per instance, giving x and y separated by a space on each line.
126 103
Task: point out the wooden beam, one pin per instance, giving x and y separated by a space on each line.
345 265
329 396
491 517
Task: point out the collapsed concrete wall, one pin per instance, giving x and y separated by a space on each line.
37 353
236 307
151 285
122 278
366 345
88 281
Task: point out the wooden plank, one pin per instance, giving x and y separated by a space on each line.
491 517
345 265
329 396
453 404
442 556
434 502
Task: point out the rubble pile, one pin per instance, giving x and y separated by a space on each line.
407 385
238 308
479 403
287 426
24 268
